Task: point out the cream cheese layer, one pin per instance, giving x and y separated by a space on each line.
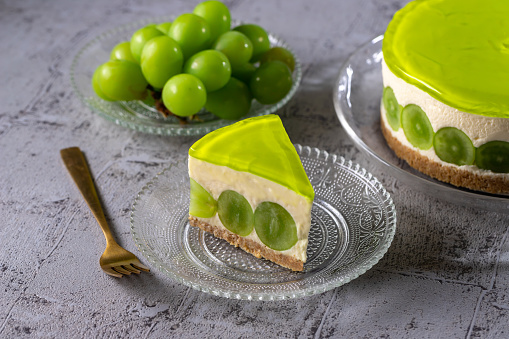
216 179
480 129
455 50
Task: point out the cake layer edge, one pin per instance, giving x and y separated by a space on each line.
452 174
248 245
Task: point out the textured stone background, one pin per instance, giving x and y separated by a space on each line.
446 274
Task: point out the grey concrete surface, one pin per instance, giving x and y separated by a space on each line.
445 276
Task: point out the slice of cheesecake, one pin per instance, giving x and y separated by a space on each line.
249 188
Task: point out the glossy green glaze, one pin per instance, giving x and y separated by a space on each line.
259 146
455 50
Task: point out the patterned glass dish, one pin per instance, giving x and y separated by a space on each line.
357 97
353 224
143 116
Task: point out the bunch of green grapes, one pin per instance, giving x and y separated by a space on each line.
197 61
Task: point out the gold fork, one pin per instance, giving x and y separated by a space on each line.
115 260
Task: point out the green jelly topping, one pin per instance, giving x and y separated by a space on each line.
455 50
259 146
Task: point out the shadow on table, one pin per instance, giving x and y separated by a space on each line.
442 240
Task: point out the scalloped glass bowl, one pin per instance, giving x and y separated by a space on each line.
357 96
140 116
353 224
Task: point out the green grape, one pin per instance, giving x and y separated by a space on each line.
392 108
191 32
122 80
184 95
122 51
235 213
161 59
211 67
280 54
202 204
493 156
417 127
454 146
164 27
271 82
217 16
96 86
275 226
140 38
236 46
244 73
230 102
258 37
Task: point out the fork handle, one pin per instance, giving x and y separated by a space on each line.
77 166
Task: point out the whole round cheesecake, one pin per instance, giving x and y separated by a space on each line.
445 104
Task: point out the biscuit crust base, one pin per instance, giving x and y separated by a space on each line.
249 245
450 174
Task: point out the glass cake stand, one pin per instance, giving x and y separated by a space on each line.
353 221
142 116
357 96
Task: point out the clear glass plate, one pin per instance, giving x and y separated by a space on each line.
353 222
357 96
142 117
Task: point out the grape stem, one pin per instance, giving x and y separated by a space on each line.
165 112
